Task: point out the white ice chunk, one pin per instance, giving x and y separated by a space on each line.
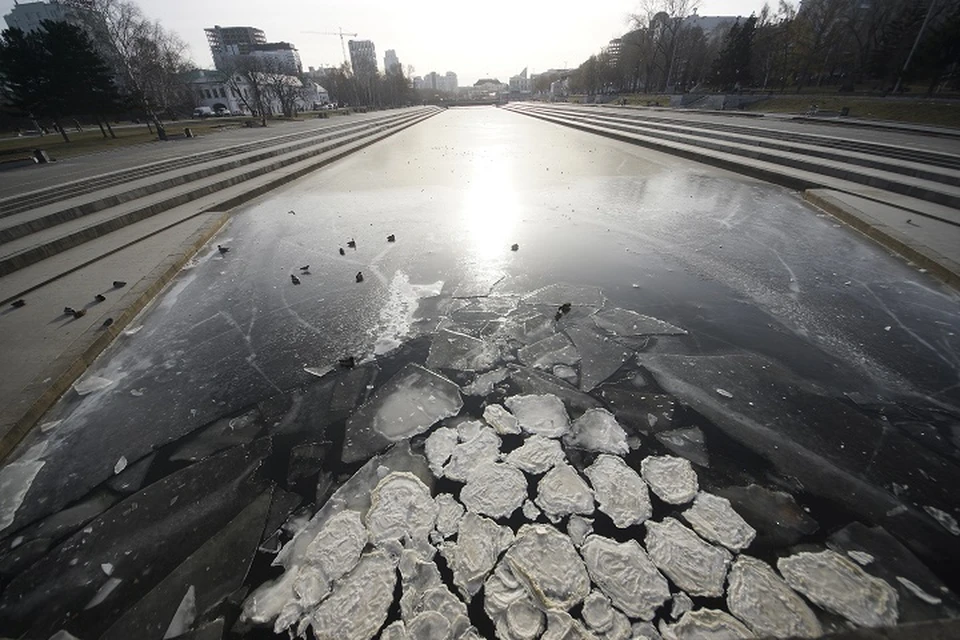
562 626
861 557
484 383
121 465
184 616
597 612
562 491
536 455
545 561
494 489
620 490
394 631
598 430
693 565
763 601
439 447
672 479
620 629
524 620
400 506
623 322
681 604
946 520
544 415
578 528
107 568
557 349
358 606
625 575
501 420
706 624
530 511
564 372
319 372
337 546
474 554
469 429
428 625
15 480
91 384
103 592
715 520
916 590
63 635
644 631
449 513
833 582
468 456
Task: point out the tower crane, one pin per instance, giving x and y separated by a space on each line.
339 32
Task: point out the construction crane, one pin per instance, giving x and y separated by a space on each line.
339 32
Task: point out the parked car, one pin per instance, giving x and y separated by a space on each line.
221 111
202 112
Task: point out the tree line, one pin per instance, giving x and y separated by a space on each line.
849 45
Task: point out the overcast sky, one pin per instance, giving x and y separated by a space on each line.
474 39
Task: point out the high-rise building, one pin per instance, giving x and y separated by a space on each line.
363 57
278 57
226 42
451 82
391 63
27 16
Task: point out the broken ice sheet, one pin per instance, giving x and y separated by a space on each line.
715 520
484 383
540 414
460 352
597 430
545 561
220 435
777 518
438 446
672 479
474 554
563 492
408 404
502 421
510 606
706 623
528 326
622 322
91 384
693 565
621 492
470 454
15 481
536 455
642 413
626 575
687 442
533 382
600 357
761 599
564 293
557 349
835 583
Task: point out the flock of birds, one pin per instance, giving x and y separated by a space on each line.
79 313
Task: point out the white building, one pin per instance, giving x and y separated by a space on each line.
391 63
215 90
521 83
27 16
450 82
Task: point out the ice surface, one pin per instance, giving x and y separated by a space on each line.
693 565
475 552
578 528
63 635
469 429
423 592
494 489
672 479
358 606
397 314
763 601
428 625
598 430
185 615
15 481
600 356
706 624
449 513
221 434
103 592
306 460
400 506
501 420
91 384
775 515
545 561
557 349
688 443
622 322
524 620
530 511
562 492
626 575
833 582
528 326
681 604
479 284
564 372
394 631
484 383
439 447
946 520
536 455
620 491
715 520
563 293
408 404
461 352
540 414
468 456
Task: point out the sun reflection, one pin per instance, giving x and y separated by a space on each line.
490 209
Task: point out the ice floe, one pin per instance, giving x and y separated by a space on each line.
547 564
470 454
715 520
502 421
449 513
494 489
598 430
536 455
546 353
672 479
706 624
503 592
563 492
530 511
765 603
776 516
693 565
623 322
484 383
833 582
600 356
358 606
461 352
400 507
336 549
543 415
626 575
439 446
473 556
620 491
680 605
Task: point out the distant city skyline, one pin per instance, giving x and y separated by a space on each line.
496 38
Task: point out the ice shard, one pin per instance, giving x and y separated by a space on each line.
494 489
544 354
672 479
484 383
833 582
597 430
540 414
777 518
620 491
461 352
692 564
536 455
578 528
687 442
623 322
546 563
600 356
626 575
563 492
408 404
763 601
533 382
715 520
